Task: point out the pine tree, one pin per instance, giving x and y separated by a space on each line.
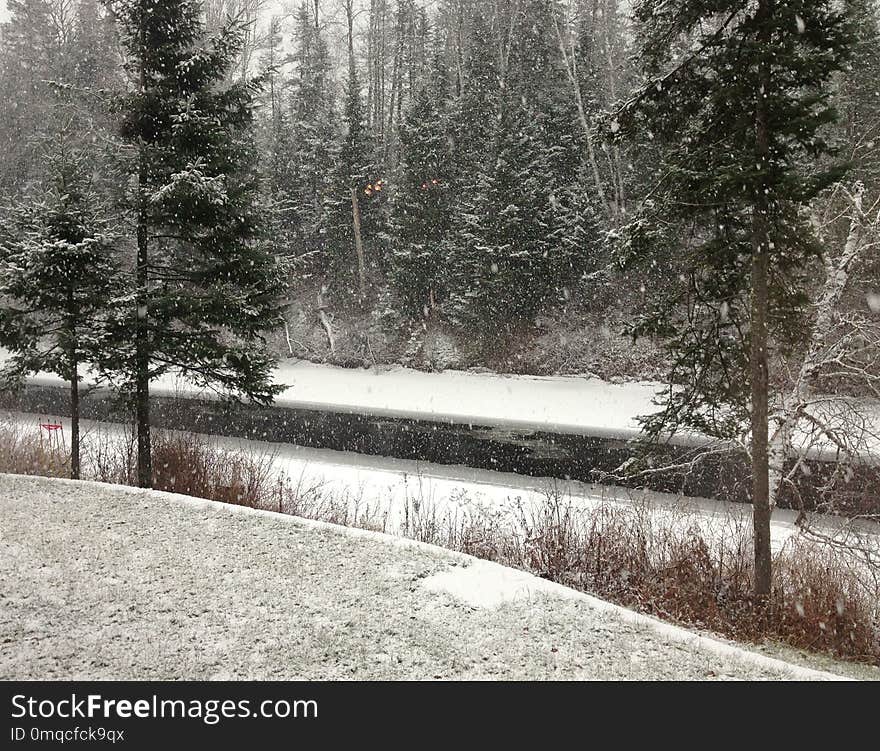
525 228
357 179
423 202
57 280
737 94
205 286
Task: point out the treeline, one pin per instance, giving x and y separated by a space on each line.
172 168
453 160
462 140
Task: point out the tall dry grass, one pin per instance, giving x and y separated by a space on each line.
25 452
671 566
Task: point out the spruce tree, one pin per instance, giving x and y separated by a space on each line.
297 140
57 279
525 228
858 97
205 286
423 202
736 94
95 60
30 57
476 111
312 130
274 137
356 178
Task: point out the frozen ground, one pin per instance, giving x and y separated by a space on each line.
555 404
565 404
106 582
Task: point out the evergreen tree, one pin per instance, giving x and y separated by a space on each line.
476 111
274 136
95 60
53 50
498 236
737 93
312 121
356 179
423 202
525 228
205 287
859 94
57 280
31 56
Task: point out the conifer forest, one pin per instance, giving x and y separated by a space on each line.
685 192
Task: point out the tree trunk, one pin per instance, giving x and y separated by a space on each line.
759 388
395 85
142 358
349 18
325 322
611 34
837 273
358 244
759 356
74 417
371 39
72 360
142 331
570 63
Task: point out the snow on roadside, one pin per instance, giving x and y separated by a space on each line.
91 573
566 404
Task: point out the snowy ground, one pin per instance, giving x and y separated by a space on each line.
108 582
556 404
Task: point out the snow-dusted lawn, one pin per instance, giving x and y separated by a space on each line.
107 582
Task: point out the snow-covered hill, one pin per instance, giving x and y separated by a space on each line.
109 582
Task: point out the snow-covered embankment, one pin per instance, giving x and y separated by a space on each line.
110 582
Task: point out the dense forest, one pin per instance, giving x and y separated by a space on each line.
513 184
458 172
